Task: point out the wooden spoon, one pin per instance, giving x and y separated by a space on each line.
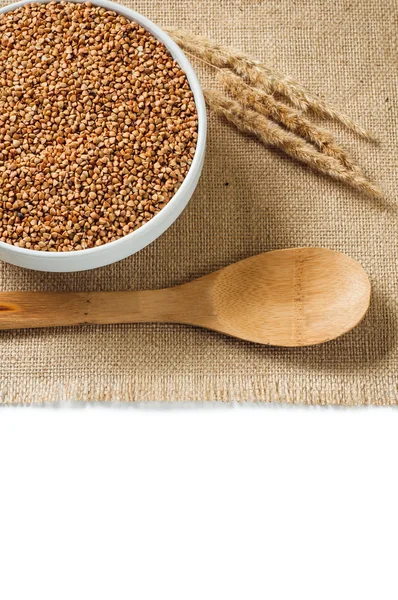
294 297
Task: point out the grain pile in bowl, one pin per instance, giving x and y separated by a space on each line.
98 126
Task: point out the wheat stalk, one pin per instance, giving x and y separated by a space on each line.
270 133
260 75
292 119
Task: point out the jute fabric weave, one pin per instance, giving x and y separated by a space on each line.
250 199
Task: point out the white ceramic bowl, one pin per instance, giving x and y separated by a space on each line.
82 260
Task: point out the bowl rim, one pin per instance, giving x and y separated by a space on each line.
196 164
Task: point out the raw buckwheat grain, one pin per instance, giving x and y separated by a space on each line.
98 126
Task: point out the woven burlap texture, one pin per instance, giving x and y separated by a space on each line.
250 199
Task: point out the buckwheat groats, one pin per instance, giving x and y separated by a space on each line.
98 126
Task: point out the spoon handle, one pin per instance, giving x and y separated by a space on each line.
48 309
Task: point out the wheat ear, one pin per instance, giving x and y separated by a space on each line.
270 133
292 119
258 74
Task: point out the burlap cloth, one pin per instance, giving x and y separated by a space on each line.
250 199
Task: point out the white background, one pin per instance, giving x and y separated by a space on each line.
207 502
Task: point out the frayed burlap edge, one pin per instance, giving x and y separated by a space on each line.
180 389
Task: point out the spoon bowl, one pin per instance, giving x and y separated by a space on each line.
294 297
